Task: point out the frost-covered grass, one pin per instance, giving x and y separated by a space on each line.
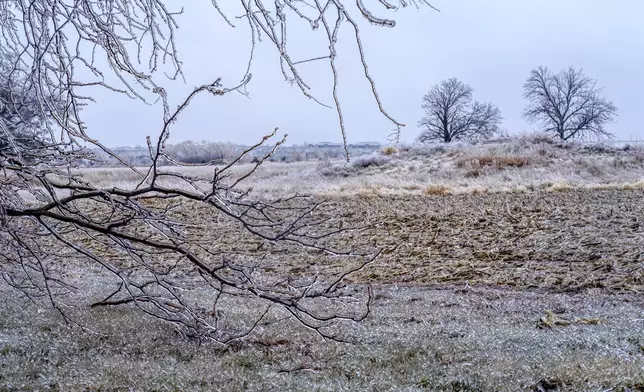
519 164
440 338
417 338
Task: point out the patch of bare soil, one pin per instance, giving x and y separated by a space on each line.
562 241
557 241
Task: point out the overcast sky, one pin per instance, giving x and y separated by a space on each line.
489 44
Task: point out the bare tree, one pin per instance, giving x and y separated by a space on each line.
450 114
156 239
568 104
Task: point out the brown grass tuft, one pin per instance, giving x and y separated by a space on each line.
437 190
560 186
389 150
498 162
635 185
478 191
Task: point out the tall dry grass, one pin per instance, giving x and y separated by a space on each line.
523 163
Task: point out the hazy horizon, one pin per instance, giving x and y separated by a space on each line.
491 46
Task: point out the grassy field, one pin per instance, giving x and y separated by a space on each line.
522 165
448 338
519 267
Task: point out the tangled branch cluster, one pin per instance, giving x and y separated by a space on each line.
53 53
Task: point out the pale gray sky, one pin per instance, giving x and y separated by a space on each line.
490 44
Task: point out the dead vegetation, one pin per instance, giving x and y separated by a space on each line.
497 162
521 164
455 306
545 279
389 150
552 320
474 166
437 190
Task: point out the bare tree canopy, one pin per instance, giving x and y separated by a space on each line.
568 104
450 114
21 122
156 239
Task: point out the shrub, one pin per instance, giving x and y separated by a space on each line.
374 159
633 148
599 148
440 149
537 138
203 152
326 168
335 171
424 150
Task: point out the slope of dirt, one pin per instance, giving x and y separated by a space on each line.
559 241
568 240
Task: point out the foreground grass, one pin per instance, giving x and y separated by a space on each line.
418 338
447 329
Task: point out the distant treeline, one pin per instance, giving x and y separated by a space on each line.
221 152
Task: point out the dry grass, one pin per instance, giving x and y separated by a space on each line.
527 276
389 150
476 166
417 339
437 190
635 185
497 162
561 186
521 165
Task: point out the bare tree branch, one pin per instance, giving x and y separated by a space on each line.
156 238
